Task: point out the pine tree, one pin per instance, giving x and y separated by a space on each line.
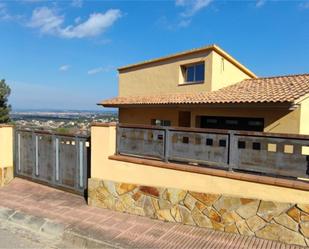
5 108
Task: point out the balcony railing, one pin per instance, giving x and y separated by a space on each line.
284 155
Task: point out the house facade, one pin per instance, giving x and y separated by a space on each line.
237 179
208 88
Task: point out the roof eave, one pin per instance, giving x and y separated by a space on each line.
276 105
212 47
134 65
301 99
228 57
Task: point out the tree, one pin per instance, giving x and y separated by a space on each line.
5 108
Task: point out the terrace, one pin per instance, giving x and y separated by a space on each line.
278 155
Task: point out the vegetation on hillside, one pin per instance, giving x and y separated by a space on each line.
5 108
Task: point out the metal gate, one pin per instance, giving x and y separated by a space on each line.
58 160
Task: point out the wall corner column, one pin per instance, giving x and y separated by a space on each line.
103 145
6 154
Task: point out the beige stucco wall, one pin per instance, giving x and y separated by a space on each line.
276 120
6 145
224 73
103 145
6 154
165 77
304 117
144 115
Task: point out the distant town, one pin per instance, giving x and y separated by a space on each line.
62 121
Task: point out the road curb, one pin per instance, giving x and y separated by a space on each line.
79 240
54 229
34 223
5 213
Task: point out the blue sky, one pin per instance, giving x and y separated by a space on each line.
64 55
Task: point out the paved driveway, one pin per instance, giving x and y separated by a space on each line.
117 229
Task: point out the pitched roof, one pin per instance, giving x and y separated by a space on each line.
278 89
213 47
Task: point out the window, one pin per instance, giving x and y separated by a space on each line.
222 143
241 144
159 122
256 146
255 123
194 73
212 121
209 141
230 123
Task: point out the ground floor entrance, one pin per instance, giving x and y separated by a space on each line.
249 117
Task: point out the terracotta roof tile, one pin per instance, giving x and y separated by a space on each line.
261 90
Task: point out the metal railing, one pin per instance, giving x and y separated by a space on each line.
60 160
267 153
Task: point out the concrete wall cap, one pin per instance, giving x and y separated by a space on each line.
111 124
7 126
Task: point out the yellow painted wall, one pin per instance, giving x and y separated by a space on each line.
6 146
276 120
165 77
224 73
304 117
144 115
103 145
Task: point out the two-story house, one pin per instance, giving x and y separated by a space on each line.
208 88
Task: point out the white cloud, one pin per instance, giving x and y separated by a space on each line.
304 5
173 25
4 14
99 70
192 6
180 2
48 21
77 19
77 3
3 11
260 3
32 1
184 23
95 25
64 68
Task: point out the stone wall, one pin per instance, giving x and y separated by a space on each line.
285 222
6 175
